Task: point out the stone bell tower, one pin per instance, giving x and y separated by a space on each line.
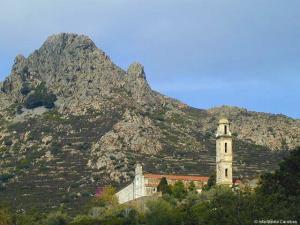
139 182
224 154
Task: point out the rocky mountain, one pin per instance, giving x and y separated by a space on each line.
71 120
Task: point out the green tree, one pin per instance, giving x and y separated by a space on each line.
211 181
198 214
161 212
106 198
192 187
163 186
178 190
226 207
56 218
286 180
280 191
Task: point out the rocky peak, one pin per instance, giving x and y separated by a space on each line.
138 86
77 72
64 39
136 70
19 59
60 44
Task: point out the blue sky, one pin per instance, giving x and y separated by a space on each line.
206 53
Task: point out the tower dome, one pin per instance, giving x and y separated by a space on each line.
223 128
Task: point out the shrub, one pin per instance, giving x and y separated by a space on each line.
163 186
25 90
178 190
19 109
6 217
211 182
161 212
56 218
192 187
23 164
84 220
31 217
40 97
8 142
84 146
105 198
5 177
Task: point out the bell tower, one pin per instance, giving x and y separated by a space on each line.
224 153
139 182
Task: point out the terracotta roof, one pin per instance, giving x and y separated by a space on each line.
237 181
176 177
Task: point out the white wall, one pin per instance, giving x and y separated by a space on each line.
126 194
134 190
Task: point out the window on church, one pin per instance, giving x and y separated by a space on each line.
226 172
225 147
225 129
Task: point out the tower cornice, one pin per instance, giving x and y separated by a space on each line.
223 135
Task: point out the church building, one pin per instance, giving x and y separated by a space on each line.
145 184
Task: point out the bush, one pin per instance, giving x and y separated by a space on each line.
161 212
211 182
40 97
84 220
23 164
8 142
84 146
163 186
105 197
178 190
6 217
56 218
19 109
5 177
31 217
25 90
121 216
192 187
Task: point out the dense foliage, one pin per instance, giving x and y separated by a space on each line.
40 97
163 186
276 198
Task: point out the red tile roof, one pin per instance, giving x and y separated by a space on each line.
176 177
237 181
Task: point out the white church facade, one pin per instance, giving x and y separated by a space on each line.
145 184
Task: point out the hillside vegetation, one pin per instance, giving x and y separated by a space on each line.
275 199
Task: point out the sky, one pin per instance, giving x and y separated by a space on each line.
206 53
